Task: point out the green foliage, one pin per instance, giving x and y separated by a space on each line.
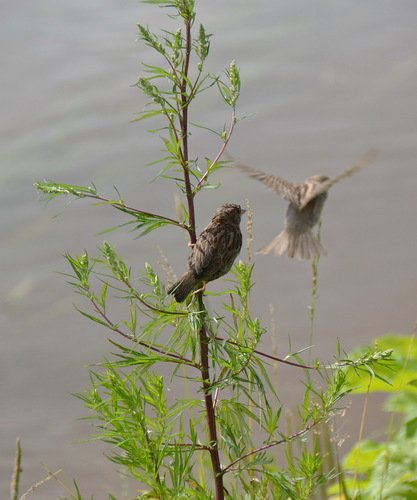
135 418
231 91
143 221
51 189
393 369
156 437
387 469
221 439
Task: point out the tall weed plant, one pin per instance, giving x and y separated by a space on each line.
222 438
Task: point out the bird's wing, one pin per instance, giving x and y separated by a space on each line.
285 189
366 160
205 252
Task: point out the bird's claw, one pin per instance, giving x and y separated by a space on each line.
201 289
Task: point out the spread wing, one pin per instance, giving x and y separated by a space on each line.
317 189
283 188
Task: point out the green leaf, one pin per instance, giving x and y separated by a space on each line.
202 47
151 39
362 456
411 427
391 367
96 319
51 189
144 115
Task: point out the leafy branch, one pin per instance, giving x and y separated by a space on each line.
82 270
146 221
155 433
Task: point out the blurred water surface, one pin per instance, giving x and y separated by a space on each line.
322 83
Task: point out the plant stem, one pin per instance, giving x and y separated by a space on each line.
302 432
269 356
184 132
176 358
14 486
218 156
210 407
203 337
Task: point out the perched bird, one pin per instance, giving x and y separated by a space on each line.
304 210
214 252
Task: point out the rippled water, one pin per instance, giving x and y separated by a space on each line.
322 83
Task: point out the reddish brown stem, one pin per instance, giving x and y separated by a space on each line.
119 205
269 356
203 337
301 432
210 405
184 132
218 156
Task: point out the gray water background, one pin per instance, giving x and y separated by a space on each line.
323 82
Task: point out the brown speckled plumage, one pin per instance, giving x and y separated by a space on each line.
214 252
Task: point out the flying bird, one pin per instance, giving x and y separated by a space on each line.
214 252
306 203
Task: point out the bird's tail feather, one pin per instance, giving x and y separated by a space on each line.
181 288
303 246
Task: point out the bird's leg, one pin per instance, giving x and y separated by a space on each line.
201 289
